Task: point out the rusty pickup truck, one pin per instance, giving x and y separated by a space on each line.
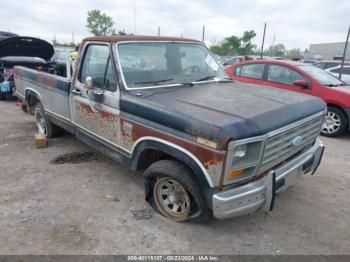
207 145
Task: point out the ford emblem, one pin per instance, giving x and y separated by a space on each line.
297 141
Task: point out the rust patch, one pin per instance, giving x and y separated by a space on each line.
214 168
102 124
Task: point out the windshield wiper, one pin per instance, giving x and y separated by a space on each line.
205 78
156 82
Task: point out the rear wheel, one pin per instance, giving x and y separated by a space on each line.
335 122
44 125
175 193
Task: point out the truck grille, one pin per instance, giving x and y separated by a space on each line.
281 147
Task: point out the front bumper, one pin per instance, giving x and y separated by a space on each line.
260 194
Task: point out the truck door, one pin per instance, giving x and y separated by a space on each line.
94 97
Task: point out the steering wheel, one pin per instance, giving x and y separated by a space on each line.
193 69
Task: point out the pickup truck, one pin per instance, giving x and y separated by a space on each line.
207 145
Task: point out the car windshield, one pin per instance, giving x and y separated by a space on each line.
321 76
155 64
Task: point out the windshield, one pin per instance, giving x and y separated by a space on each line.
150 64
321 76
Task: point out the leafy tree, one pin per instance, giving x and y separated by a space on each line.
99 23
277 50
294 53
233 44
118 33
246 45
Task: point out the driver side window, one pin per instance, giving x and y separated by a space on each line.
98 65
283 75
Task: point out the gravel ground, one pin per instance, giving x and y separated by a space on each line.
62 200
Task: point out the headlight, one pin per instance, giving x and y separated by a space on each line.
240 151
242 159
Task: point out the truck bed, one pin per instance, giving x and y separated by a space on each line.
53 90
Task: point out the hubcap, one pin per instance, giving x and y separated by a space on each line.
172 199
331 123
40 121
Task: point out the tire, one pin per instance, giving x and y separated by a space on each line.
170 185
335 122
44 125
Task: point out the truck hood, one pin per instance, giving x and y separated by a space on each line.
26 46
221 111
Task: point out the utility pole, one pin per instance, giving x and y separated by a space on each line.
273 45
158 31
203 32
344 54
263 41
135 17
54 39
73 37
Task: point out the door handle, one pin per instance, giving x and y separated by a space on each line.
76 91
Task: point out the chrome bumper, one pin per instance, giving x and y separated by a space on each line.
260 194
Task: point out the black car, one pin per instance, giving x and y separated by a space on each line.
22 51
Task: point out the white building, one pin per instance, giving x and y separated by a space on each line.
329 51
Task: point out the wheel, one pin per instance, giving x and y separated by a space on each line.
44 125
335 122
174 192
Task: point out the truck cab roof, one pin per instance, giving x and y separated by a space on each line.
136 38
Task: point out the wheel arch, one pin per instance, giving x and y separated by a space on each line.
32 96
340 108
167 149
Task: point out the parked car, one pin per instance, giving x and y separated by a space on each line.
4 35
325 64
233 60
60 59
26 51
208 145
308 61
345 77
302 78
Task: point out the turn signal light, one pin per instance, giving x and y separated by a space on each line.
235 173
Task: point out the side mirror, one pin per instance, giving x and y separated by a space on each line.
88 83
301 83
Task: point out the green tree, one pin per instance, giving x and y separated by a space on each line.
235 45
99 23
294 53
246 45
277 50
118 33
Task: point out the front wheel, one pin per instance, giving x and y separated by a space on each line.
335 122
174 192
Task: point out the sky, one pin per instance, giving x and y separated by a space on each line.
295 23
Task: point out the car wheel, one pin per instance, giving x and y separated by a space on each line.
335 122
44 125
175 193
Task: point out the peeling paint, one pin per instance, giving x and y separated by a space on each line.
214 168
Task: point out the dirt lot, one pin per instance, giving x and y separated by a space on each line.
49 206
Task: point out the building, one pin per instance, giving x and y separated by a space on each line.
329 51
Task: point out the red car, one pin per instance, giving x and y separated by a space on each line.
303 78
